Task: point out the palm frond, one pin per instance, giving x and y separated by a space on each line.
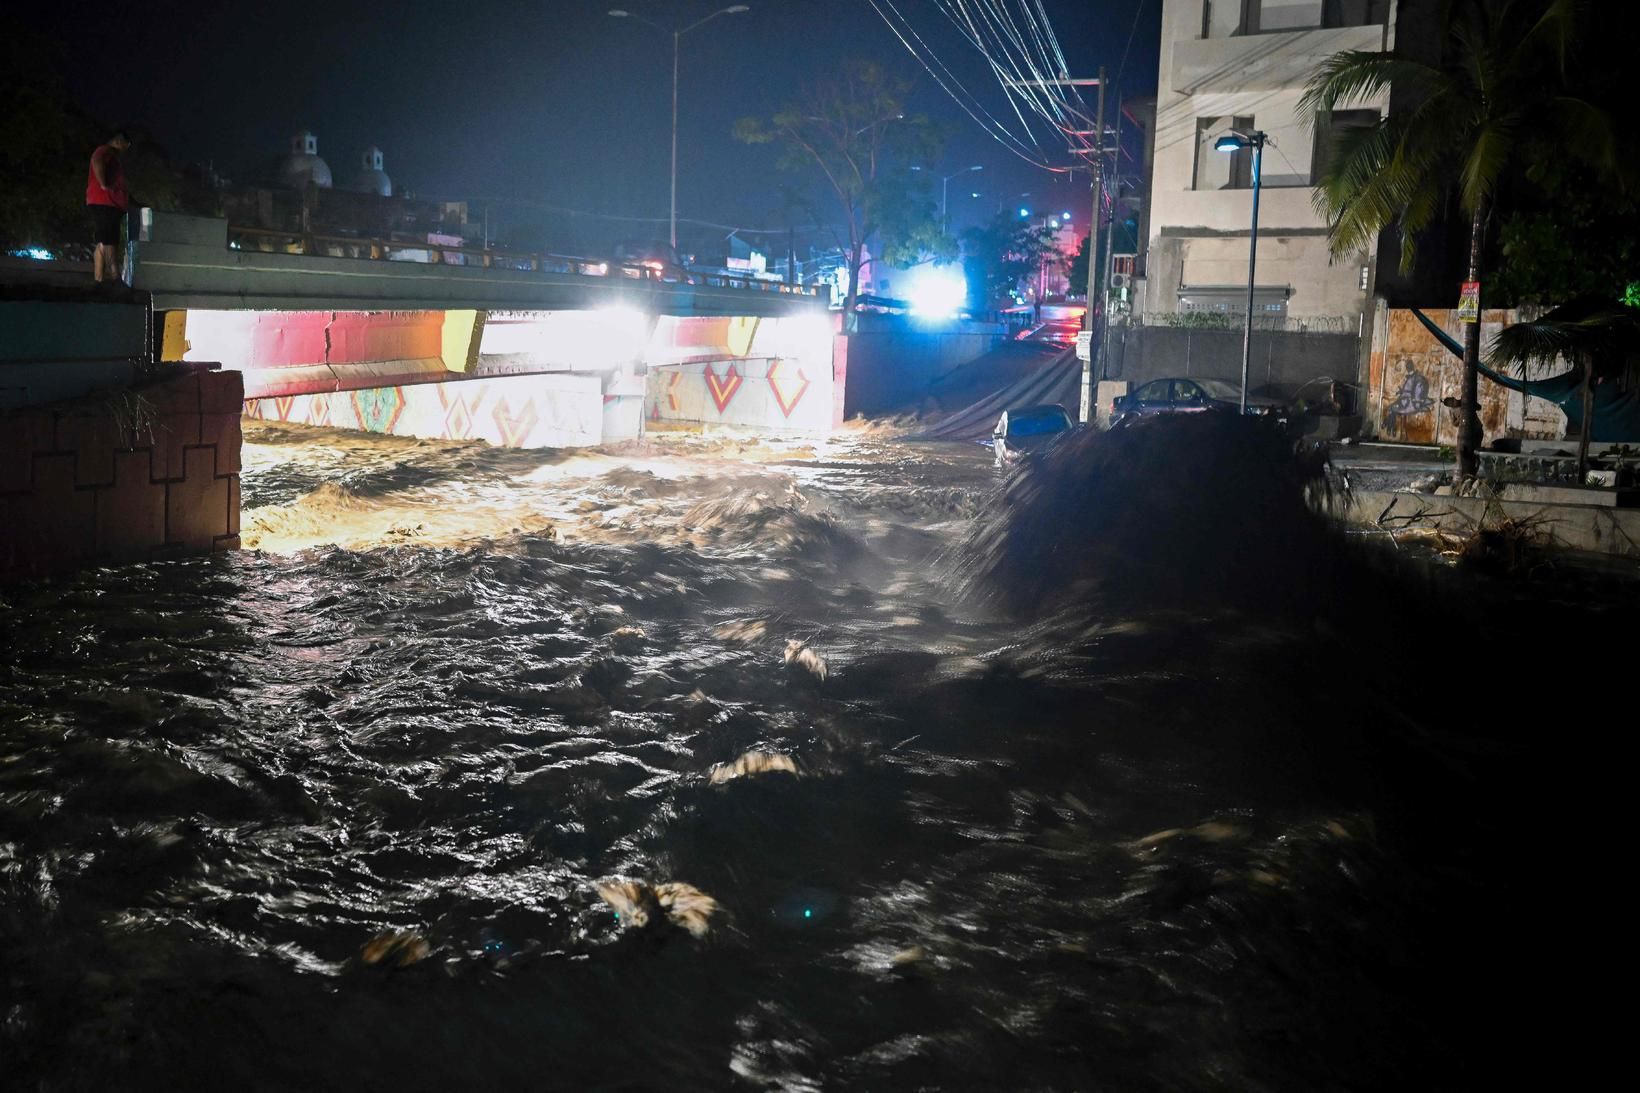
1382 172
1585 131
1600 332
1353 75
1551 36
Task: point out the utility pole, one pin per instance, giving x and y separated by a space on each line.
1110 235
1089 321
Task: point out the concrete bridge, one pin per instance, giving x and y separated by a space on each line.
447 341
120 419
201 262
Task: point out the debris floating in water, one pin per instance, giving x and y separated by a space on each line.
1213 831
741 631
638 905
799 656
753 762
398 949
627 637
687 906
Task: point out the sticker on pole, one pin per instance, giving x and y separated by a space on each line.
1469 302
1084 346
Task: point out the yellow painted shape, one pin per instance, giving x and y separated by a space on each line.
174 341
460 347
742 329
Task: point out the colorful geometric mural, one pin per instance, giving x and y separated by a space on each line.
782 395
516 426
788 391
723 387
378 408
559 410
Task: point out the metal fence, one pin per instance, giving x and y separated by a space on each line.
1225 320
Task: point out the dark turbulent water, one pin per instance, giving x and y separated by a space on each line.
1153 849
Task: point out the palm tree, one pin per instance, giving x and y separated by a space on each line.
1499 85
1601 341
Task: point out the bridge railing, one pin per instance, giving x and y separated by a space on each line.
400 250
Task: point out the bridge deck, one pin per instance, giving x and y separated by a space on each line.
186 262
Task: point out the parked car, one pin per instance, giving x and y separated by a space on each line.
1028 429
1187 396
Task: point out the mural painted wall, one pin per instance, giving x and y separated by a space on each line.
1409 374
780 375
546 411
301 352
777 394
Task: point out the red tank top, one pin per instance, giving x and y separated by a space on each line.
114 193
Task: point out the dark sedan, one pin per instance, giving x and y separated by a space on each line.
1186 396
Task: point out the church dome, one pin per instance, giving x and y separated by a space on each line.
371 179
304 164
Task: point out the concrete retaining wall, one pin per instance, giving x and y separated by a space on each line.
768 395
151 472
559 410
892 360
1593 528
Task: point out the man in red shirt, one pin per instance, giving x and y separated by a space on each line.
106 199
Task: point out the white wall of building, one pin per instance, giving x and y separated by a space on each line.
1199 221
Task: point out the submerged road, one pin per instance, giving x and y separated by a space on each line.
333 812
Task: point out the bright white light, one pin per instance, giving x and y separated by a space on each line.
804 337
1023 211
624 332
936 291
39 254
1067 216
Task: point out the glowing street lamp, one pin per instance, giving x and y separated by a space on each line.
677 37
1236 141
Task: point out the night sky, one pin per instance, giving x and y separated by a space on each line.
552 101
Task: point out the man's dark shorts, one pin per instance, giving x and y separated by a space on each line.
106 222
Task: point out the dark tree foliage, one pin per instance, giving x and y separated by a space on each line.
46 141
854 129
998 256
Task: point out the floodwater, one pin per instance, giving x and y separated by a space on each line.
333 812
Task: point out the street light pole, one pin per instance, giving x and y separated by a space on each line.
1238 141
677 40
945 185
1252 268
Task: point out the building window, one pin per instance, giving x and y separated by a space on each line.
1216 170
1329 130
1226 18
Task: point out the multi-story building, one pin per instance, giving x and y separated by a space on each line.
1243 64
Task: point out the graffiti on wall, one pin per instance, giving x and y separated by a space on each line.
1410 375
1411 398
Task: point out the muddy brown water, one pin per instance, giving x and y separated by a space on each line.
454 687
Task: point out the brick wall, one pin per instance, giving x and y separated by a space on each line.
150 473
